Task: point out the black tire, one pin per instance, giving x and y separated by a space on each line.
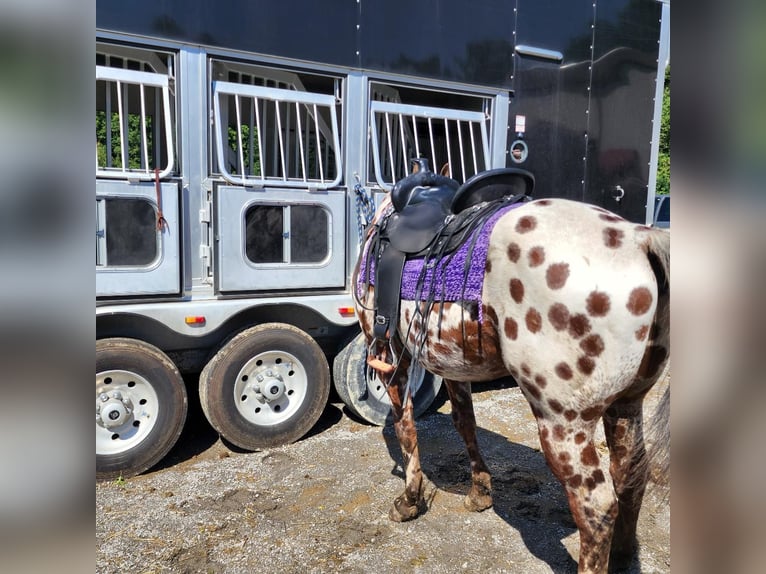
375 407
141 406
279 408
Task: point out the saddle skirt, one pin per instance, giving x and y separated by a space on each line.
458 276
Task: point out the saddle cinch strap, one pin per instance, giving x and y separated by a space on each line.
424 224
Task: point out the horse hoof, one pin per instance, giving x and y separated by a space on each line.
402 511
622 559
477 503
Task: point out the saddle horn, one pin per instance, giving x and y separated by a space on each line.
421 177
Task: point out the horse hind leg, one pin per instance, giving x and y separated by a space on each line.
570 450
480 496
410 503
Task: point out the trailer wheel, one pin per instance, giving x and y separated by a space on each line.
141 406
349 381
266 387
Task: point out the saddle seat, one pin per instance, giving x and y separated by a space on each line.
432 216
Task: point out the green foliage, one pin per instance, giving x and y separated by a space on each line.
663 162
134 141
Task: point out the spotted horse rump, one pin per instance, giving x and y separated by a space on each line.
575 306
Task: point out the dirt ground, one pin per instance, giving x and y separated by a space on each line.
321 504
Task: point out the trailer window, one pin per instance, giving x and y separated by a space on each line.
134 112
444 127
275 127
126 231
287 234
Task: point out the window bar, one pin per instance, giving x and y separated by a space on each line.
473 149
306 135
108 119
251 138
462 153
319 146
239 139
261 156
281 143
292 149
144 140
299 137
123 154
157 125
449 145
390 150
404 142
415 132
433 147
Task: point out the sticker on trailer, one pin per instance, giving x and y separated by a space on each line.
521 124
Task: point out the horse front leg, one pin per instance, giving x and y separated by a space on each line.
411 502
480 496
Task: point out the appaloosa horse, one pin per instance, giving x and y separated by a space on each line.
574 304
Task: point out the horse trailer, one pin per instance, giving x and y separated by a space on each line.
242 146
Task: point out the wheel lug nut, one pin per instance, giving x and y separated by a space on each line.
103 397
269 373
117 395
259 378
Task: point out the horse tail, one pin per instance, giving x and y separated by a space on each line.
658 353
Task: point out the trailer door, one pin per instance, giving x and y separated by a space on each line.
137 205
280 214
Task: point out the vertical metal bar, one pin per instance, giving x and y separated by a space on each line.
256 104
415 134
431 137
449 146
281 143
404 141
239 140
299 137
157 124
123 151
462 153
108 113
390 149
144 141
319 146
307 138
251 138
473 148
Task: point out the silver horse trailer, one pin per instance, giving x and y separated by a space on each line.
241 148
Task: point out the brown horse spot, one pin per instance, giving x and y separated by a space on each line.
533 391
620 452
517 290
544 433
556 406
558 315
586 365
579 325
567 470
639 301
613 237
491 314
565 457
598 304
556 275
511 329
526 224
598 476
590 483
536 256
558 432
641 332
514 252
591 413
575 481
593 345
525 369
610 217
442 349
540 381
543 202
488 266
534 321
620 431
580 437
564 371
407 315
589 456
570 415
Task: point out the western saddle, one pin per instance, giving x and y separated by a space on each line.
432 216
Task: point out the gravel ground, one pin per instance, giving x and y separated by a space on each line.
321 504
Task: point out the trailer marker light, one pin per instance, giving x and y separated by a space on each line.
346 311
194 320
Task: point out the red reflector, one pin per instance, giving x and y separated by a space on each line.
194 320
346 311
